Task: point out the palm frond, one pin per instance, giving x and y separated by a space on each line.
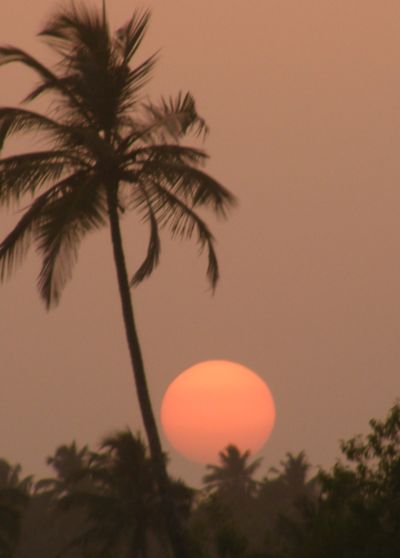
153 252
175 117
14 120
191 183
65 221
182 222
131 81
165 122
10 54
130 36
20 120
16 243
95 77
66 135
76 27
166 153
17 120
5 127
127 41
21 174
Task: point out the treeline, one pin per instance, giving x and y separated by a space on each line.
104 504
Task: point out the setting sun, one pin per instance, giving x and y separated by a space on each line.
216 403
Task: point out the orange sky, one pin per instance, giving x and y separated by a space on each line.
303 102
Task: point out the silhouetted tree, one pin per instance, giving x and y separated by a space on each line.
280 497
221 520
69 463
290 485
119 495
45 531
234 477
14 496
359 509
110 153
293 471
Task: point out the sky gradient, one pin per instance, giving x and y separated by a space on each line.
303 104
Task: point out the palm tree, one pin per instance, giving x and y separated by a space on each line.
14 496
109 153
293 473
223 519
118 493
68 462
234 477
47 528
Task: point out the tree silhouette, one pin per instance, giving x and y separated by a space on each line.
14 496
109 153
293 471
291 482
118 493
235 474
220 523
358 513
69 463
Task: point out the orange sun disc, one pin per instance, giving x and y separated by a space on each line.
214 404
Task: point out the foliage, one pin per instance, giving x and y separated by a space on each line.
359 510
234 476
101 133
241 516
351 511
69 463
14 496
116 491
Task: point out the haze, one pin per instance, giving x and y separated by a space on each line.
303 103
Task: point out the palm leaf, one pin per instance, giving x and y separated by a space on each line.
15 120
166 153
64 223
192 183
5 126
167 121
16 243
130 36
182 221
9 54
75 28
82 37
175 117
131 82
153 252
22 174
20 120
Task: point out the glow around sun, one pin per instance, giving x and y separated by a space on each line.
216 403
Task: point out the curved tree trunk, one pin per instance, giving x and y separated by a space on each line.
173 525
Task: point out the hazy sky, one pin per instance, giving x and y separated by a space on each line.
303 102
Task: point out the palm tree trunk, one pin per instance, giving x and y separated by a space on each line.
173 524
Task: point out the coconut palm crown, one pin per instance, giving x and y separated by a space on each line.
103 151
235 474
107 148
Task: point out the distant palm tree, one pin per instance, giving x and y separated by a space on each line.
286 498
121 499
109 153
69 463
14 496
293 473
235 474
